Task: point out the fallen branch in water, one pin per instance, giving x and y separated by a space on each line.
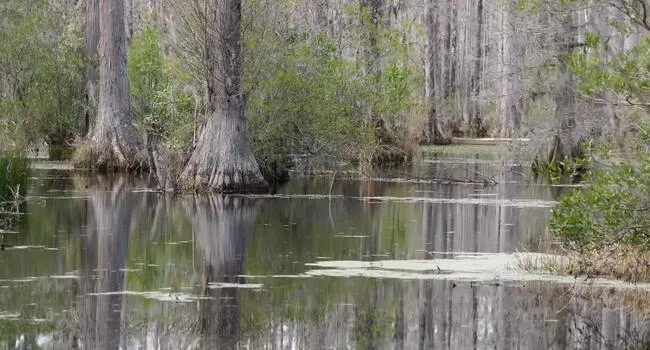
487 180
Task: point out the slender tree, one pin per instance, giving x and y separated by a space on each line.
92 70
476 122
114 143
565 141
223 159
434 131
512 102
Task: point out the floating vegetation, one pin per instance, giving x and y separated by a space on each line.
222 285
156 295
517 203
468 267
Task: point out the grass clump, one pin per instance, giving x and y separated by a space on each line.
14 175
621 261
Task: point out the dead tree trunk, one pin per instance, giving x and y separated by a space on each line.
223 159
92 62
114 143
434 132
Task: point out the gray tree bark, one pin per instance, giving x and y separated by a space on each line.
92 65
565 143
512 101
114 143
476 122
434 131
223 159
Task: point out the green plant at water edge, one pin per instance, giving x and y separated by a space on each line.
560 171
613 209
14 175
308 101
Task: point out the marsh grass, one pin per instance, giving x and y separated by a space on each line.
620 261
14 174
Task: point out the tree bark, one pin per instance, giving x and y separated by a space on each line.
92 62
512 102
565 143
434 131
476 122
114 143
223 159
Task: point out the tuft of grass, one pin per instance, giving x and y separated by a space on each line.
620 261
14 175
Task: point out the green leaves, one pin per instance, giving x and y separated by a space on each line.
146 77
42 72
612 209
308 104
160 104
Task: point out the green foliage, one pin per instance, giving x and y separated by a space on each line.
307 104
305 97
146 77
14 174
41 73
161 105
612 209
559 171
627 74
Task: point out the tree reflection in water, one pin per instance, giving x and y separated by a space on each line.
104 260
221 226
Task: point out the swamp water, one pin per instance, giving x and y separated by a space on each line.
104 263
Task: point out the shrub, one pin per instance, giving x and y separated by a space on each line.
612 209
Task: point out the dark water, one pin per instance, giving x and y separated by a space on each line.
102 263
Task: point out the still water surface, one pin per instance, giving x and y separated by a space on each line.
104 263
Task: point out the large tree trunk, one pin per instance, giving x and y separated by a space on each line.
92 61
434 131
114 143
223 159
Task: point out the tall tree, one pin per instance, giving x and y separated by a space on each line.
434 131
222 159
114 143
512 102
565 141
91 58
476 122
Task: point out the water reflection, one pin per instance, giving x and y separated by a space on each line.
158 271
222 226
104 255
